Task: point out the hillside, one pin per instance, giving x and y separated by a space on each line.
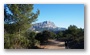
46 25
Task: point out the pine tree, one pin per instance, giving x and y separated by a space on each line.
21 18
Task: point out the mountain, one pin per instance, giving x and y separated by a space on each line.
46 25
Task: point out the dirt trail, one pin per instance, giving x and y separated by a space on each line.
53 44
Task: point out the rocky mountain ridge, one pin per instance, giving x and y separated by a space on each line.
46 25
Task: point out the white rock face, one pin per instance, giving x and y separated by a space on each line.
46 25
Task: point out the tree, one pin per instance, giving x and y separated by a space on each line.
39 37
75 37
20 19
43 37
52 35
60 35
32 41
22 16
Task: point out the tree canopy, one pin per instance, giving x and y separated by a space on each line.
17 19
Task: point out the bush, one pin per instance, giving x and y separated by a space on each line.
12 41
32 41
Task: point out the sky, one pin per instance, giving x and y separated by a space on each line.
63 15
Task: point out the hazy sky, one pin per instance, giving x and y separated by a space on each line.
62 15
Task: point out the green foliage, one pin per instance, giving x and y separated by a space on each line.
60 35
20 19
44 36
17 23
76 39
12 41
10 28
73 36
52 35
22 15
39 37
32 41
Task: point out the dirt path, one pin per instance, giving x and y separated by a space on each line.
53 44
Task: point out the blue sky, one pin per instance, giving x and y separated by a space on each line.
62 15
